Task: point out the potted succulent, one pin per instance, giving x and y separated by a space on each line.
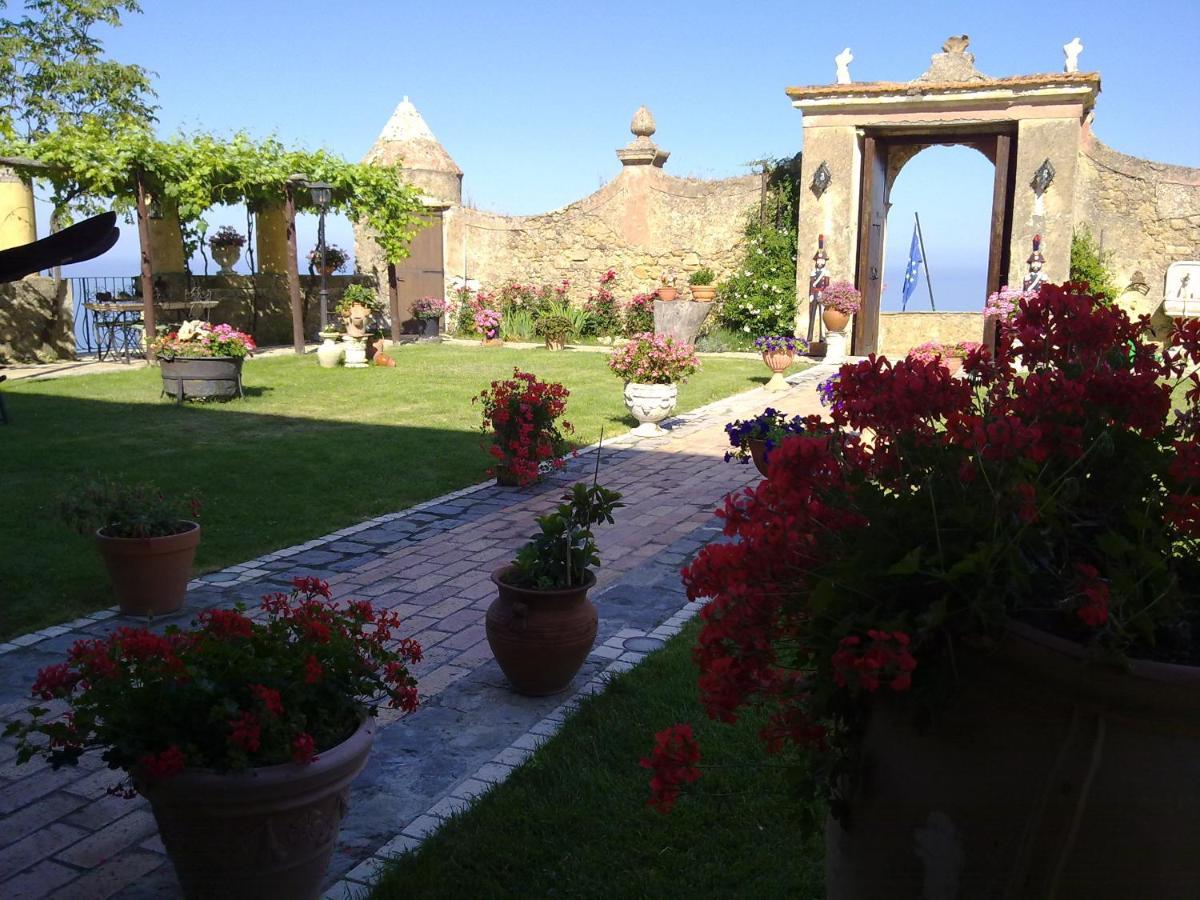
702 283
555 326
226 244
357 305
754 439
430 311
666 286
979 625
521 415
778 353
541 625
244 733
950 355
199 361
335 259
147 541
652 367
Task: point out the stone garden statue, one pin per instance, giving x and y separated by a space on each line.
843 61
818 280
1036 277
1071 51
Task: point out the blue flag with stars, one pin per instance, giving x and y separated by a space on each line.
913 269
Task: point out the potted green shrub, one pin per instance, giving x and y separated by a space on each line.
703 284
243 733
147 541
200 361
357 306
226 244
555 325
652 367
977 624
429 310
541 625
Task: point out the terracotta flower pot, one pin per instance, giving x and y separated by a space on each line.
1049 776
540 638
778 362
833 319
667 293
703 292
150 575
265 833
758 454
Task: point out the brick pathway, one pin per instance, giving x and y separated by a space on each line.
62 836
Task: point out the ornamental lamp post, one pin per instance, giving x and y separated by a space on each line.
322 196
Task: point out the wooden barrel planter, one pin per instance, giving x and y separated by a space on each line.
202 378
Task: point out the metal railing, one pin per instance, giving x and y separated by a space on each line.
96 290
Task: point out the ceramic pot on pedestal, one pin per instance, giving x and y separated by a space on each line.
650 404
834 320
778 362
227 256
356 351
703 292
667 293
329 354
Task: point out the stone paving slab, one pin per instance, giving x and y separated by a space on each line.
62 836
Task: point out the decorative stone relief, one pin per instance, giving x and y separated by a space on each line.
954 63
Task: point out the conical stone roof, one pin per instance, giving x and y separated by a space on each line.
407 139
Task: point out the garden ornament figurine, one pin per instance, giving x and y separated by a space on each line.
1036 277
843 61
818 280
1071 51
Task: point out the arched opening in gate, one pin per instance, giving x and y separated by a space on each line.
949 191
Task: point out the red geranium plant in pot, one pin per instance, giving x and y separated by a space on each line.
971 605
244 732
147 541
521 414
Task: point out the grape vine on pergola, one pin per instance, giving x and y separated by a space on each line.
92 165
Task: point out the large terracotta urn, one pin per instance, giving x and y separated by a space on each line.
150 575
540 638
650 404
268 832
778 361
1052 774
834 320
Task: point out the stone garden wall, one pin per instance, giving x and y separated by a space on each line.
36 324
899 332
640 224
1146 213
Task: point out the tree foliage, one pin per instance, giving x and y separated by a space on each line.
53 71
1091 264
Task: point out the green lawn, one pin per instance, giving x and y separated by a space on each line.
309 451
572 821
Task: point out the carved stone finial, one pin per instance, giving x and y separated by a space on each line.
642 125
954 63
843 61
1071 51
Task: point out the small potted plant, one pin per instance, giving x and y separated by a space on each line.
555 326
521 415
147 541
430 311
357 306
226 244
541 625
666 286
330 352
778 353
949 355
652 366
702 283
335 260
199 361
754 439
244 732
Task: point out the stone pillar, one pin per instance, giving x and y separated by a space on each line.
18 222
834 213
1052 215
270 240
166 242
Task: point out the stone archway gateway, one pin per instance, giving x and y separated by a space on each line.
857 136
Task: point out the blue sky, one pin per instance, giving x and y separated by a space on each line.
531 98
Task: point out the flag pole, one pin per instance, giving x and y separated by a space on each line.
924 260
